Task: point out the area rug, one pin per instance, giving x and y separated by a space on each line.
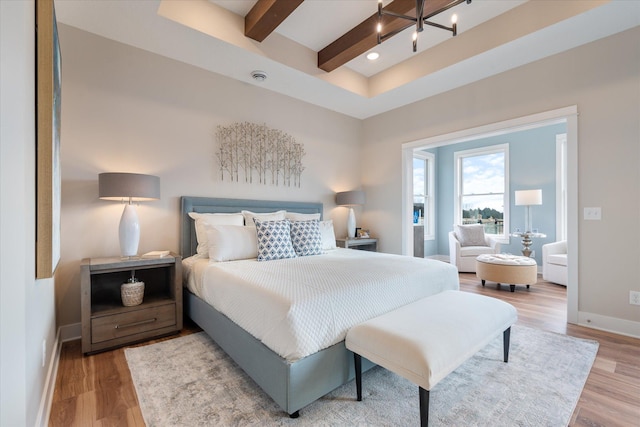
190 381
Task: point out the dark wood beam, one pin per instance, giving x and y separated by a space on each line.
363 37
265 16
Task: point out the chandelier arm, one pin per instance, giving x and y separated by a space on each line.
383 37
419 18
433 24
398 15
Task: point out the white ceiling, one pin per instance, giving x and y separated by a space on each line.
493 36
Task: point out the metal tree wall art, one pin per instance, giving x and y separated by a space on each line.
256 153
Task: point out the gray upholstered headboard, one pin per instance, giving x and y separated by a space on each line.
188 242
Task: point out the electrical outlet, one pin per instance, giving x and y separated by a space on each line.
634 297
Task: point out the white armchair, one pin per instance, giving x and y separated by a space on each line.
554 262
463 255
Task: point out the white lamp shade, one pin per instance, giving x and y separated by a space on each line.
528 197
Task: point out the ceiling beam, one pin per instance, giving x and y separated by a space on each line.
363 37
265 16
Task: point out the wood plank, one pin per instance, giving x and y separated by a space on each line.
265 16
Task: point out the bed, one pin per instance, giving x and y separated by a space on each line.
297 374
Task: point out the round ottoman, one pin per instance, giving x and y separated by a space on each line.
503 268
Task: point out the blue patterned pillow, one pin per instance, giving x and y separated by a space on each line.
306 237
274 240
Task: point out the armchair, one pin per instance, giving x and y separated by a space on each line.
554 262
463 253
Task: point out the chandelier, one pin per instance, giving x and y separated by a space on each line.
420 20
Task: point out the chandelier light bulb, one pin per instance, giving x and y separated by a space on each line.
379 27
415 36
454 18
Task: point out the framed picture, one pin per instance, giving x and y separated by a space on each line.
363 234
48 177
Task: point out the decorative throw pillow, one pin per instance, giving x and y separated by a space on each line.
204 219
274 240
269 216
231 242
306 238
294 216
471 235
328 235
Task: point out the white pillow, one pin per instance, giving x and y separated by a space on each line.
212 219
231 242
328 235
294 216
274 240
471 235
306 238
270 216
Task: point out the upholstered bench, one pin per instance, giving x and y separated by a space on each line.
504 268
426 340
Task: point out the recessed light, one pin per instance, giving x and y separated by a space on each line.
372 56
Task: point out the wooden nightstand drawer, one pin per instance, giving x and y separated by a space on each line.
114 326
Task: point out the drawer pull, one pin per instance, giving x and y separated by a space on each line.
128 325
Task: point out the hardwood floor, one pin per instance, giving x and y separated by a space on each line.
97 390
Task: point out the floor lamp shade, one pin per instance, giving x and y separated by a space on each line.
350 198
129 187
528 198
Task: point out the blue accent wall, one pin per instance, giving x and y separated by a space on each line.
532 165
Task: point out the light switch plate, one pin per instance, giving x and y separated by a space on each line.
593 214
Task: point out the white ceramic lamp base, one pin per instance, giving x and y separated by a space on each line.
129 231
351 224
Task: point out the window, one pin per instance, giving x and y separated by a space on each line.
482 188
423 192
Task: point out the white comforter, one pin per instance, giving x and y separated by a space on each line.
299 306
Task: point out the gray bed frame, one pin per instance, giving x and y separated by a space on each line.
291 385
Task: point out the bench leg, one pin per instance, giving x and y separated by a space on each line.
424 407
357 361
506 339
513 288
483 282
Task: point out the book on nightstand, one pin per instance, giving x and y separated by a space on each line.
156 254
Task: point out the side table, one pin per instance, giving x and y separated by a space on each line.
364 244
107 323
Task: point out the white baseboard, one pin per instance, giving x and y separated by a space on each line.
44 411
609 324
65 333
70 332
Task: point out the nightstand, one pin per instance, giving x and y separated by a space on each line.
364 244
107 323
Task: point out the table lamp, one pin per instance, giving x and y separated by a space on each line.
528 198
350 199
128 187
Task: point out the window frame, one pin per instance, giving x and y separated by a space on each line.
430 162
458 156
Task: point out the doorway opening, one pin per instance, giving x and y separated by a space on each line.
566 209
